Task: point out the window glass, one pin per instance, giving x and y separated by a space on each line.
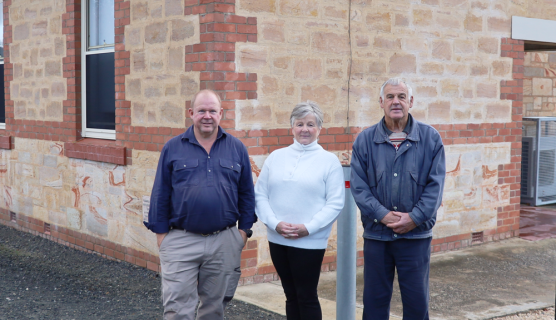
101 24
101 93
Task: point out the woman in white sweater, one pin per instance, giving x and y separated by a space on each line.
299 194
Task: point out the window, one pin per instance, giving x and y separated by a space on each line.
97 61
2 96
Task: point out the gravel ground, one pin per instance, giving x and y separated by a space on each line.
40 279
543 314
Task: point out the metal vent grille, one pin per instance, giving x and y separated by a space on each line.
13 217
477 237
525 166
546 167
47 228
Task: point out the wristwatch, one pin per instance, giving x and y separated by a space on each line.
248 232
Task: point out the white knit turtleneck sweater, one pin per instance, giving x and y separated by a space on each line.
300 184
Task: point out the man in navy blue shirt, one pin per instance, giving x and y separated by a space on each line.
203 186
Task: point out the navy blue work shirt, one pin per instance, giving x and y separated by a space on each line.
200 192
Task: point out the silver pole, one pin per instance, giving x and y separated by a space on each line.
346 258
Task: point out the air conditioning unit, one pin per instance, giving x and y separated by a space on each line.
538 161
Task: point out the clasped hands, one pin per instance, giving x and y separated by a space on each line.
291 230
399 222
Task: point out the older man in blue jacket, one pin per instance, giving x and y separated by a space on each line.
397 179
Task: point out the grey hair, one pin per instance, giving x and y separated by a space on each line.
302 109
395 82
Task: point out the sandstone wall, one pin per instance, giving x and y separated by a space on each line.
455 53
539 84
38 87
157 85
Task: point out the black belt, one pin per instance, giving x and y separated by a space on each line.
205 234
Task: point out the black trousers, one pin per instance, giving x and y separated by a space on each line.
299 270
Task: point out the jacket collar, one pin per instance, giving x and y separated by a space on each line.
190 135
381 135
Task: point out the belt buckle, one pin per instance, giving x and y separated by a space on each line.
209 234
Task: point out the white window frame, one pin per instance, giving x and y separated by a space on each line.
89 132
532 29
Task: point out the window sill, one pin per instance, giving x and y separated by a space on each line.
96 150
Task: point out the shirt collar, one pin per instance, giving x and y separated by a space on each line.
411 128
189 134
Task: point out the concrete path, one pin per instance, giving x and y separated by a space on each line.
480 282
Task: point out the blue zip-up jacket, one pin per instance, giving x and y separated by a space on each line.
410 180
201 192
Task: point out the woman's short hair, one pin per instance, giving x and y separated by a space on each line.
303 109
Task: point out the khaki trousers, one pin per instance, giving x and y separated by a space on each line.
196 268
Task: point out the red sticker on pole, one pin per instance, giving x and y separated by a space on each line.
347 184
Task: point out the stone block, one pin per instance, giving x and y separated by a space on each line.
55 25
273 31
403 63
173 7
308 8
254 113
379 21
252 57
487 90
133 36
50 177
152 92
53 68
542 87
450 88
54 110
439 112
401 20
533 72
498 112
156 32
388 44
425 92
59 46
335 12
377 67
308 69
139 10
58 89
138 61
442 50
270 85
96 220
182 29
133 87
39 28
463 47
323 95
188 86
298 37
488 45
281 62
50 161
473 23
419 45
499 24
73 217
170 113
422 18
432 68
175 59
257 5
328 42
21 32
138 112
